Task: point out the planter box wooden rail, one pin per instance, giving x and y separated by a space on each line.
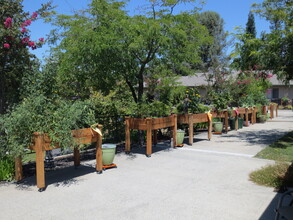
249 113
41 143
222 114
149 125
191 119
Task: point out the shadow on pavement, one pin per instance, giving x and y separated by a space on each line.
60 177
261 137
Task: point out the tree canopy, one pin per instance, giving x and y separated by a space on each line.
104 45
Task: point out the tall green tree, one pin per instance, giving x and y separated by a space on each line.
15 41
213 55
276 53
104 45
250 26
247 47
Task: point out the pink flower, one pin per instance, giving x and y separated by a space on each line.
6 45
35 14
26 39
270 75
8 22
41 39
31 44
26 23
238 82
23 30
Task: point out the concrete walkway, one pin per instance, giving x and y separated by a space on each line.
208 180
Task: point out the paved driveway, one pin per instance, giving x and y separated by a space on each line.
208 180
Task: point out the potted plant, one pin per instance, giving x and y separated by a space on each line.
217 125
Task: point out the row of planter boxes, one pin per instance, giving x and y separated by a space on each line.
42 143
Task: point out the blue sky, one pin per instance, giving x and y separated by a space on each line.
234 13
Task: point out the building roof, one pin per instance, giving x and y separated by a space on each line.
200 80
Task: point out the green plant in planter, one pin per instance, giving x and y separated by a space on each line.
6 168
285 100
56 117
262 118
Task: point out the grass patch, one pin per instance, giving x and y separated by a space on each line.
281 150
272 175
279 175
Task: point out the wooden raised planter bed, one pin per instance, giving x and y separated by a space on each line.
224 115
248 112
149 125
42 143
191 119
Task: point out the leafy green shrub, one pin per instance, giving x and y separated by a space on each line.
56 117
271 175
288 107
6 169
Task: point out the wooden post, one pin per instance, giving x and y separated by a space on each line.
127 135
226 121
236 122
246 117
155 136
76 156
271 111
99 153
40 168
264 110
190 129
253 116
18 169
175 130
149 137
277 106
210 128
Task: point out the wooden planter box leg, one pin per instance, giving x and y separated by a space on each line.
190 129
155 136
236 122
40 168
210 129
246 118
127 136
174 131
76 155
149 137
99 162
18 169
226 121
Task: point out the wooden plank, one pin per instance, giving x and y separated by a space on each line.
149 137
18 169
127 135
76 156
199 118
99 161
174 130
190 129
137 123
155 136
226 121
40 168
246 117
182 118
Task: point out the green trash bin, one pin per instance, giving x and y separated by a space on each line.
108 153
240 123
180 136
232 123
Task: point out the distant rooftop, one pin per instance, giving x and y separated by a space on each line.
200 80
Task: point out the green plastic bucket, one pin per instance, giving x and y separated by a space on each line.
218 126
232 123
240 123
108 153
180 136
